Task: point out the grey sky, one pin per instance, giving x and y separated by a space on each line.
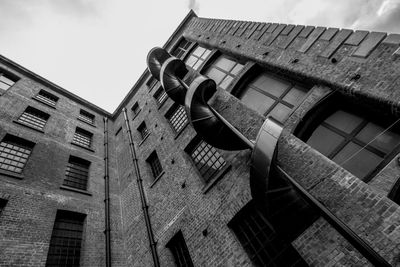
97 48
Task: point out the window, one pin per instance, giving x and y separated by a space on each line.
77 173
206 158
262 244
177 117
160 96
3 203
66 239
82 138
181 49
197 57
223 71
14 153
135 109
6 80
155 165
47 98
152 83
86 117
34 118
179 250
269 95
353 137
142 129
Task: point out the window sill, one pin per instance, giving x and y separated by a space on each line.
28 126
157 179
217 177
180 131
91 124
44 103
144 139
68 188
87 148
12 174
134 116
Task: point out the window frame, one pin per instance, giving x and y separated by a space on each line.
204 62
85 116
144 132
10 76
149 160
185 51
78 162
160 96
47 95
82 132
178 243
29 125
135 109
172 111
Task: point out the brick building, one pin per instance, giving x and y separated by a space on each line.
82 186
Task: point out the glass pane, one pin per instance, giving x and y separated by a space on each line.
197 65
206 53
198 51
4 86
385 142
280 112
324 140
295 95
224 63
359 164
6 80
190 61
216 75
257 101
225 83
271 84
344 121
237 69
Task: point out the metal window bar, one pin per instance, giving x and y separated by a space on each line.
82 138
86 117
207 160
160 96
152 83
66 240
13 156
155 165
178 118
33 119
76 174
47 98
144 132
179 250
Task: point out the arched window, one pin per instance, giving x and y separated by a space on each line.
360 140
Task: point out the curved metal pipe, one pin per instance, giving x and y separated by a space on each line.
107 230
143 200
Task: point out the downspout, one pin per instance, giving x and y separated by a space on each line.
107 195
139 180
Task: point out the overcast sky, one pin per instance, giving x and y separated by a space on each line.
97 48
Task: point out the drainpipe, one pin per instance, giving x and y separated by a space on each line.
107 195
139 180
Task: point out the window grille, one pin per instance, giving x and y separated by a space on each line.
82 138
14 153
86 117
152 83
34 118
160 96
6 80
181 49
154 164
258 238
197 57
179 250
272 96
142 129
206 158
223 71
77 173
177 117
135 109
66 240
47 98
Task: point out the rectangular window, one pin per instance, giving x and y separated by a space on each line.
6 80
47 98
179 250
154 164
77 173
223 71
3 203
142 129
135 109
160 96
82 138
86 117
152 83
14 153
177 117
197 57
262 244
66 239
181 49
206 158
34 118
